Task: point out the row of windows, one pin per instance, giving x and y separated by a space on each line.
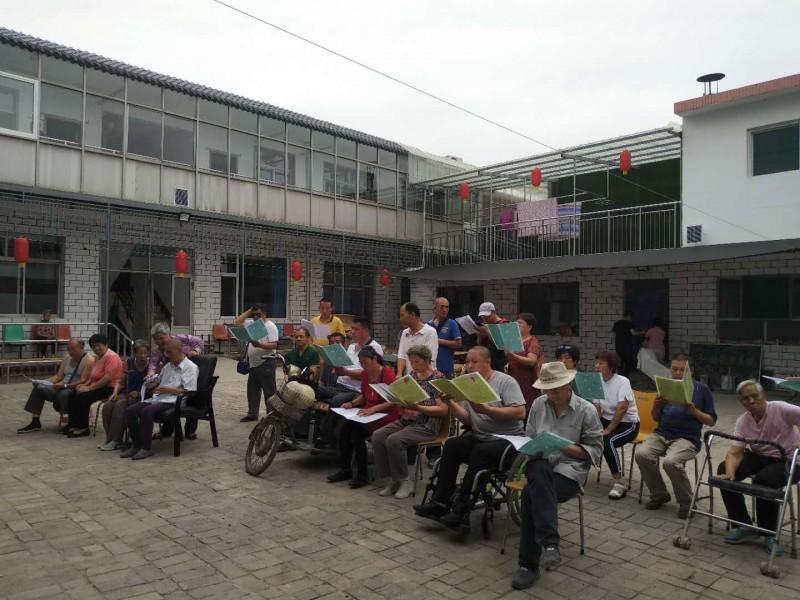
760 308
41 278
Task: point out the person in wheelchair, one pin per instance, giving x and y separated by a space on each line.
478 448
775 421
559 477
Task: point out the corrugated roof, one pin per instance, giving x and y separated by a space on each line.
102 63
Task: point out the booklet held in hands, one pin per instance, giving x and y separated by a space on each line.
506 336
589 386
676 391
405 391
319 331
470 387
335 355
250 333
791 385
544 443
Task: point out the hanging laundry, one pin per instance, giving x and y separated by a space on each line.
508 217
537 217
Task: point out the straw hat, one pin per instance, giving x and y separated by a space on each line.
554 375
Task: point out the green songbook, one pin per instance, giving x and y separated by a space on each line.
250 333
470 387
676 391
506 336
404 391
335 355
790 385
589 386
545 443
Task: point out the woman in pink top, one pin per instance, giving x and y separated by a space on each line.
774 421
654 339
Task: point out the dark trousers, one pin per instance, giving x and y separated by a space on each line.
765 470
260 382
353 440
623 434
477 454
40 395
546 489
626 354
141 417
79 404
336 395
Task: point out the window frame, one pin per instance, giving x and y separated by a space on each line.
793 313
751 133
239 266
7 257
552 330
35 124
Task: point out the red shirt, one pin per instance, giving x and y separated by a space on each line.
109 364
372 399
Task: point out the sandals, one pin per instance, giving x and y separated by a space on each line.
618 491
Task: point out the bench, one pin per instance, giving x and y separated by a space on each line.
23 365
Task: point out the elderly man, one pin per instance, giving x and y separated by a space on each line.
449 336
478 447
416 333
304 355
488 314
556 478
676 441
774 421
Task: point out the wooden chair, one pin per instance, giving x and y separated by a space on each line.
439 440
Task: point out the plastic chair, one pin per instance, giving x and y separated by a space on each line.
647 425
439 440
220 334
288 330
14 334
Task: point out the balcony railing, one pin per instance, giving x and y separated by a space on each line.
632 229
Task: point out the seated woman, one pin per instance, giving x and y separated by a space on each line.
353 436
569 355
774 421
126 393
420 424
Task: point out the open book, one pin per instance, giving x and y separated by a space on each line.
589 386
544 443
506 336
470 387
467 324
250 333
335 355
404 391
319 331
44 383
351 414
790 385
676 391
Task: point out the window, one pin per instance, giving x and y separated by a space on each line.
212 148
273 128
387 187
61 71
402 190
17 105
298 167
18 60
322 173
144 93
180 104
402 163
214 112
179 140
346 178
104 123
368 153
264 282
228 287
464 299
298 135
776 150
350 288
759 308
246 121
387 159
345 148
243 154
555 306
62 114
105 84
144 132
272 162
42 278
323 142
367 186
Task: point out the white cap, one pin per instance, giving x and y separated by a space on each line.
486 309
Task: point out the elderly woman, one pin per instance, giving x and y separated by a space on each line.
774 421
126 393
524 366
420 424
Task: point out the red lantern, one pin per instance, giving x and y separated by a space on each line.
536 177
463 191
21 250
625 161
181 263
384 278
297 271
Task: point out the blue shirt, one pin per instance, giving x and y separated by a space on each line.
447 330
676 422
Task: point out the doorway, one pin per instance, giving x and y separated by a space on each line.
648 299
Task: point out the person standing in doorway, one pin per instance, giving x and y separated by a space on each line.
449 337
623 342
326 317
261 355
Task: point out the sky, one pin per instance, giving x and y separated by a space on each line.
564 72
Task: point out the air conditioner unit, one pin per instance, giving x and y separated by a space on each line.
694 234
181 197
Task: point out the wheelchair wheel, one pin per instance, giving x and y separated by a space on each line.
514 497
264 441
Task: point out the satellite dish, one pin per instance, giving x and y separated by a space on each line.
708 79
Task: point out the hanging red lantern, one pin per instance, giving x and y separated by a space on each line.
181 263
384 278
625 161
22 250
297 271
463 191
536 177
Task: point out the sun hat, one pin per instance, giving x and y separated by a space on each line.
554 375
486 309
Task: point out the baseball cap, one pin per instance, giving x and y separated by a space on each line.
486 309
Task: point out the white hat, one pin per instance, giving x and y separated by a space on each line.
554 375
486 309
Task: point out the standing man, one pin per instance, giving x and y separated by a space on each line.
261 355
416 333
623 342
677 440
449 336
488 314
326 317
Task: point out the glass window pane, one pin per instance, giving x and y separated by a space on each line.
104 83
62 114
18 61
345 148
298 167
16 105
322 173
246 121
41 287
272 162
144 93
179 140
402 163
273 128
765 297
181 104
61 71
387 187
265 282
212 148
346 178
213 112
227 301
402 191
144 132
104 123
323 141
368 153
387 159
730 298
776 150
796 297
367 186
243 154
8 287
298 134
45 250
228 264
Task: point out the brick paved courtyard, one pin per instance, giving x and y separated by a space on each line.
84 524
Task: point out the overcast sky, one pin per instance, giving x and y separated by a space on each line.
563 72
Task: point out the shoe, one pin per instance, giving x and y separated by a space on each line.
657 502
770 543
683 511
63 430
78 434
340 476
191 436
34 425
108 446
142 454
390 488
457 518
405 490
358 482
737 535
248 419
129 453
430 510
524 578
551 558
617 492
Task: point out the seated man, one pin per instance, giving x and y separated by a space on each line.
478 448
304 355
556 478
775 421
328 374
677 440
179 375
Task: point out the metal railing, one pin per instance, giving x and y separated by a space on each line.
117 340
650 227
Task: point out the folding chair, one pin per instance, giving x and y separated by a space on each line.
439 440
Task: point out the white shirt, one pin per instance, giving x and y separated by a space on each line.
182 376
256 356
351 383
426 336
617 389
